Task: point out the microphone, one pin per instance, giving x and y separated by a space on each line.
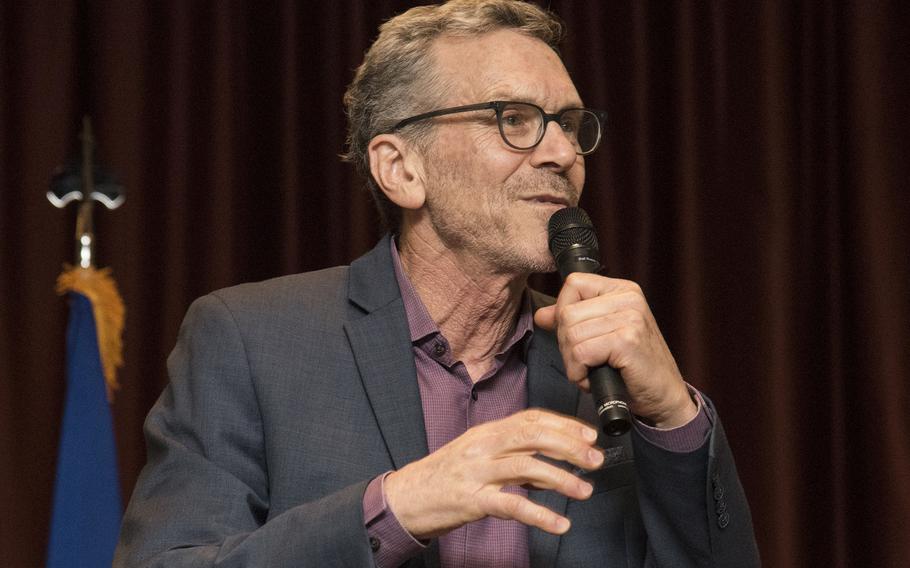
573 245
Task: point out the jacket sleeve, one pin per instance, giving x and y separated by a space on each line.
693 506
203 497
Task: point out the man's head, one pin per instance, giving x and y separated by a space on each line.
459 173
398 79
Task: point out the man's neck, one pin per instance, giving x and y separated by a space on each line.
474 307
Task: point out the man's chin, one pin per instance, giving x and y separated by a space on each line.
541 264
526 263
539 259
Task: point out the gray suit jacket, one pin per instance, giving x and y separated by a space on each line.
288 396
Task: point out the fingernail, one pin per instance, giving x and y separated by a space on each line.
562 524
587 489
595 456
590 434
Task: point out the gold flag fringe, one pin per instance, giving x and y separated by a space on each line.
98 286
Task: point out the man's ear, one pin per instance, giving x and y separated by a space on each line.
397 169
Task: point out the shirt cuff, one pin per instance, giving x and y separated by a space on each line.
391 543
682 439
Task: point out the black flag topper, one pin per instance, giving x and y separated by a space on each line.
85 183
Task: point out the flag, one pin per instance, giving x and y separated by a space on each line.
87 506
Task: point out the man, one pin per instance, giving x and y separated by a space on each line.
419 406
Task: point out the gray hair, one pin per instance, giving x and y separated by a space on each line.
398 79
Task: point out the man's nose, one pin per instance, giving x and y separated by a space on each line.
555 151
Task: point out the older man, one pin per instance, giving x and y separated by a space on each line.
419 406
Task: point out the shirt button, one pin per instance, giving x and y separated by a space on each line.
473 393
374 543
439 350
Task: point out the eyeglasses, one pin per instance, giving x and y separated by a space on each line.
522 125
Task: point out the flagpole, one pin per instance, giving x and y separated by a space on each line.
85 231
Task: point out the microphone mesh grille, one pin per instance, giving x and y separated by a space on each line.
568 227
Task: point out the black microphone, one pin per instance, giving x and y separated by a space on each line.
573 245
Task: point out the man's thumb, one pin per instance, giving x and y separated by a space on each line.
546 317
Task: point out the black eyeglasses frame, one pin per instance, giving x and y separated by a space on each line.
498 106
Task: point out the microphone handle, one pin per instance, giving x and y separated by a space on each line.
610 400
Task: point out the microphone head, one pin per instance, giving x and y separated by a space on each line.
571 227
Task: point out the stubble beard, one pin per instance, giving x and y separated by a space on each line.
507 236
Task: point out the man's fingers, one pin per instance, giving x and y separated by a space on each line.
549 420
601 324
510 506
534 438
529 470
553 435
581 286
586 298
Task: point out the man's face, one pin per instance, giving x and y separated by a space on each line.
484 198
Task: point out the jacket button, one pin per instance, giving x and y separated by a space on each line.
718 491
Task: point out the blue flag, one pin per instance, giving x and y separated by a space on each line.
87 509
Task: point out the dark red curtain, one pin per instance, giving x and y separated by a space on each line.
755 182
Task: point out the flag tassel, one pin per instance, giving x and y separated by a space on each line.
107 306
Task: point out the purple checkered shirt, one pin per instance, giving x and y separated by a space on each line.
452 402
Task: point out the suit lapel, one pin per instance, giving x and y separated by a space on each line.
548 388
382 349
380 341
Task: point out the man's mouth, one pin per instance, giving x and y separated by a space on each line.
548 199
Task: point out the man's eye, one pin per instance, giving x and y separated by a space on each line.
513 119
568 125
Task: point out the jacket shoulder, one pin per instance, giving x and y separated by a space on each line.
308 291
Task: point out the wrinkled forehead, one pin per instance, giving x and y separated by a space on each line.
503 65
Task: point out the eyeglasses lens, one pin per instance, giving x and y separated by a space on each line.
522 127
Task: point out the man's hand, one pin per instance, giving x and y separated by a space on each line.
600 320
463 480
